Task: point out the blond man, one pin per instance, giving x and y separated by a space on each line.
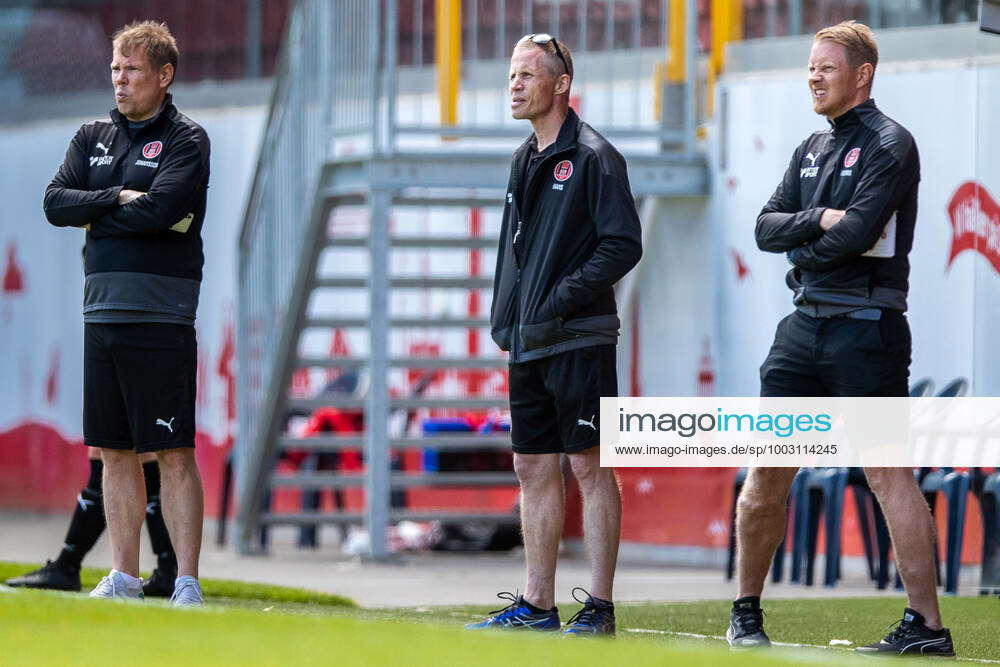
846 188
138 185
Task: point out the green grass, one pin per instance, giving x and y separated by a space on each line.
222 591
263 625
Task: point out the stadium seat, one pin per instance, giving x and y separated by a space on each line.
987 490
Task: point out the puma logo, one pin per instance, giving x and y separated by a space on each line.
102 147
584 422
812 158
169 425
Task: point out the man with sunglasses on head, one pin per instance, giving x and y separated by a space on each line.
570 231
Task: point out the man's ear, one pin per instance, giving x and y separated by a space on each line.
865 74
166 75
562 84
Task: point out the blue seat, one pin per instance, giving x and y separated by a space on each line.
987 490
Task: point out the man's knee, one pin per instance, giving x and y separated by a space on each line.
886 482
535 469
765 491
176 460
587 468
118 457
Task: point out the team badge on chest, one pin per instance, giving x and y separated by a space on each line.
851 158
563 170
152 149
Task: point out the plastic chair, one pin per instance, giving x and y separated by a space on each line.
987 490
955 487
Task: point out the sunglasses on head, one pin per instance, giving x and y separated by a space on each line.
543 38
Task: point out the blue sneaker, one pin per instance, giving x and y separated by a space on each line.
596 617
517 616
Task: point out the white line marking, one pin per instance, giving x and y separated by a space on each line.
694 635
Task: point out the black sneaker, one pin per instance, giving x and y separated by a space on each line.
52 576
746 625
596 617
912 637
161 582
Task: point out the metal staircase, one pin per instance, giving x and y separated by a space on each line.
332 96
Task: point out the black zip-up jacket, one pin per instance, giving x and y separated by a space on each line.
867 165
563 246
159 232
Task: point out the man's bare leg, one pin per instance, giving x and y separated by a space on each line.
602 514
124 507
911 529
542 512
183 503
760 524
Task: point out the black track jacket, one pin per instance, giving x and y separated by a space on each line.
157 233
867 165
562 248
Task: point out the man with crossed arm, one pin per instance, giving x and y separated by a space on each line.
844 213
138 185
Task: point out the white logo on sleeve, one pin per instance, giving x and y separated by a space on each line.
168 425
102 147
584 422
812 158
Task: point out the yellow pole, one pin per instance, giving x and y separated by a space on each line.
675 42
448 56
671 71
727 26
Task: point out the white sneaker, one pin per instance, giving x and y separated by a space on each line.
187 592
116 586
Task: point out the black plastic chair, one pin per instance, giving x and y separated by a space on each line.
987 490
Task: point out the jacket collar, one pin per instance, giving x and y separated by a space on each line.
852 116
167 110
568 132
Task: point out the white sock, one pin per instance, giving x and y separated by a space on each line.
130 581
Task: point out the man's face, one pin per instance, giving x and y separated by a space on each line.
832 81
139 88
532 88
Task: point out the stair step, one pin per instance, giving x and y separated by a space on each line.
334 480
429 242
499 441
306 518
399 322
431 363
360 282
357 403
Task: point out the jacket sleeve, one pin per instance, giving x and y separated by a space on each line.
619 238
67 202
882 185
182 172
781 224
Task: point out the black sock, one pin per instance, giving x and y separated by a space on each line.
158 535
535 610
87 523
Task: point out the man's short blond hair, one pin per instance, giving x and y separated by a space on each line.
152 37
552 62
856 38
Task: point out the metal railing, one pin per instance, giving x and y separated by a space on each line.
273 238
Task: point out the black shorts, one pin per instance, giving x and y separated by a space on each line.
838 356
555 402
139 384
